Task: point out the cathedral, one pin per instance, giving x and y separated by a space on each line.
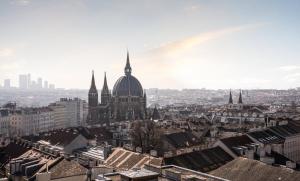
127 101
239 104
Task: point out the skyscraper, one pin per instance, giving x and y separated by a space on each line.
40 83
23 81
28 81
7 83
51 86
45 84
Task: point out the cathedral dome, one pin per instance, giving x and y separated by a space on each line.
127 86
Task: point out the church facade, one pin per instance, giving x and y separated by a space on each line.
127 101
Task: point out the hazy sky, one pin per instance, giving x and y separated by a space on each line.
172 44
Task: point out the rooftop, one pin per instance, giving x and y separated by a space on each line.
204 160
122 159
236 141
139 173
182 139
285 130
266 137
243 169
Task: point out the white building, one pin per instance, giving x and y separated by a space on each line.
59 115
25 121
69 112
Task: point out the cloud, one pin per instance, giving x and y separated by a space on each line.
21 2
190 42
289 68
6 52
295 77
10 66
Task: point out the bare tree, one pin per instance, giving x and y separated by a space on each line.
145 134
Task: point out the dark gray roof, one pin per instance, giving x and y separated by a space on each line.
237 141
12 150
266 137
204 160
285 130
182 139
127 85
61 137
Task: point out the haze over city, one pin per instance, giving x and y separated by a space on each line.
182 44
149 90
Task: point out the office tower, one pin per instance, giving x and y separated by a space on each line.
7 83
23 81
45 84
33 84
29 81
51 86
40 83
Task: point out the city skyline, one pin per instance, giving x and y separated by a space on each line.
191 44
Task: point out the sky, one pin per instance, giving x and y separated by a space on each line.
213 44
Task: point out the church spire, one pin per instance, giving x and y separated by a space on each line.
105 94
93 85
127 67
105 86
230 98
240 98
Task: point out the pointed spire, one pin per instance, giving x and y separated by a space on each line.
240 98
230 98
105 86
155 114
93 85
127 67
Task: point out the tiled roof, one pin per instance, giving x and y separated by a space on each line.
66 168
122 159
243 169
61 136
204 160
182 139
65 136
